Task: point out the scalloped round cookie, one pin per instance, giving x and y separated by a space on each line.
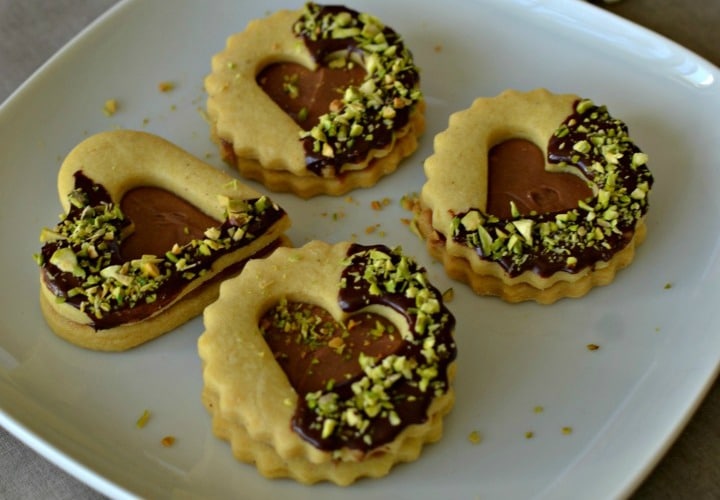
328 362
541 242
355 135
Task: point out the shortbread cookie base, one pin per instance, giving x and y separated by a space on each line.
272 465
249 396
131 335
260 139
128 336
489 278
306 186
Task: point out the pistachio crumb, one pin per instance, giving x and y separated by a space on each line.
567 430
143 419
475 437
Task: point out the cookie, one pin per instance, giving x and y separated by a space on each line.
148 233
328 362
534 196
320 100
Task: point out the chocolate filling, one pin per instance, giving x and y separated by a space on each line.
160 220
303 94
516 173
317 352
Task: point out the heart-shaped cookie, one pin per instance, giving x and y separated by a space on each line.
347 358
535 253
147 234
353 136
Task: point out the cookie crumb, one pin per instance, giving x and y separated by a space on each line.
380 204
408 201
166 86
538 409
567 430
168 441
529 435
593 347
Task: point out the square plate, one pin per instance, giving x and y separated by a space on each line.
522 368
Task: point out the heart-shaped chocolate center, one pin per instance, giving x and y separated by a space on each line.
517 174
316 351
305 95
161 220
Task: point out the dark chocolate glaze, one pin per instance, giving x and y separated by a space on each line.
411 404
321 49
545 263
60 283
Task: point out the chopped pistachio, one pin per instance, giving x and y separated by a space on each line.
375 101
66 260
619 178
386 271
84 244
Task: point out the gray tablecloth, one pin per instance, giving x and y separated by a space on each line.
32 30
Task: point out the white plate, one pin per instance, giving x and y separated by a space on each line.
625 403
